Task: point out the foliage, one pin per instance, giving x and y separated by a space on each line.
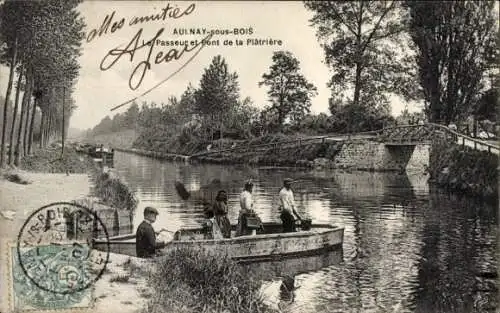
46 37
364 46
407 118
289 91
357 118
189 280
455 42
217 94
487 105
464 170
119 122
114 192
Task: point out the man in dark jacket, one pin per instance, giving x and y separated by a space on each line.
146 244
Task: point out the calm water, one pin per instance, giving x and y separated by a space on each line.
407 248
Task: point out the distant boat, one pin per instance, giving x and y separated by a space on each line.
102 154
267 244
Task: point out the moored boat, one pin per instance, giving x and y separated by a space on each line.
269 243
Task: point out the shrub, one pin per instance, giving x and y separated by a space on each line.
188 280
114 193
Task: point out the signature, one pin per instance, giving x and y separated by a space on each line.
139 72
108 24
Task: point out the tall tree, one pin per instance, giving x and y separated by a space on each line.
289 91
14 115
219 90
364 46
454 41
7 98
24 108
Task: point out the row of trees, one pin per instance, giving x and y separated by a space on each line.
215 109
444 52
40 43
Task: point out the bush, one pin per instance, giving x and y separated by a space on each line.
188 280
114 193
464 170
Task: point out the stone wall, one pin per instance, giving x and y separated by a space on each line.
419 160
375 156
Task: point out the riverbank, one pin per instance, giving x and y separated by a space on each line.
306 154
464 170
45 177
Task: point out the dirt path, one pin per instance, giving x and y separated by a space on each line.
18 201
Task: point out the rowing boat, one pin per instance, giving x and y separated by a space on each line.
269 243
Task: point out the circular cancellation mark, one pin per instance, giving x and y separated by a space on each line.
54 248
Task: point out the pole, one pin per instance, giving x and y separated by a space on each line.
64 101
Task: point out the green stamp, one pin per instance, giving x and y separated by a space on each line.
50 263
53 264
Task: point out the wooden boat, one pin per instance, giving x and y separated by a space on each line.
268 244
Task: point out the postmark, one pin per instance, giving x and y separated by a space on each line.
53 262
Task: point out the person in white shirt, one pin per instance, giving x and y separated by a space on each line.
246 204
287 207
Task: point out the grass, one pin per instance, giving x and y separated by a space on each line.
49 160
464 170
188 280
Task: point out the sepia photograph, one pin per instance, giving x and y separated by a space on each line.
249 156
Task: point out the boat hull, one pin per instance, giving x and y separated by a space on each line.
257 247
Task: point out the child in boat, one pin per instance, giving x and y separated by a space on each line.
220 210
146 244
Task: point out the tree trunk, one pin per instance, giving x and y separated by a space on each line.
24 108
42 129
32 125
49 129
14 115
26 126
63 122
357 84
221 122
7 96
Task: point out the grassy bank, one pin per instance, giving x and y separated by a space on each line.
50 160
291 155
193 281
464 170
296 155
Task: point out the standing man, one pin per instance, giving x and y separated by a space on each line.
146 245
287 207
246 204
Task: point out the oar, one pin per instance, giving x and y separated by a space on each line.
182 191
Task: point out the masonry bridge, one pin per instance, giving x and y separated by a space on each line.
398 148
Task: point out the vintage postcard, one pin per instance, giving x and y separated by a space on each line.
249 156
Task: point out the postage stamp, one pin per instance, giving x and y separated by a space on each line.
53 265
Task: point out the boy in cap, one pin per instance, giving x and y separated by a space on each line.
287 206
146 244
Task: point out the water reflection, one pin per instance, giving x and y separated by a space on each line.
406 248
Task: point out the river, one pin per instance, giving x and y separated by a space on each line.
407 247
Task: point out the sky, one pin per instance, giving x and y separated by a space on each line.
98 91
